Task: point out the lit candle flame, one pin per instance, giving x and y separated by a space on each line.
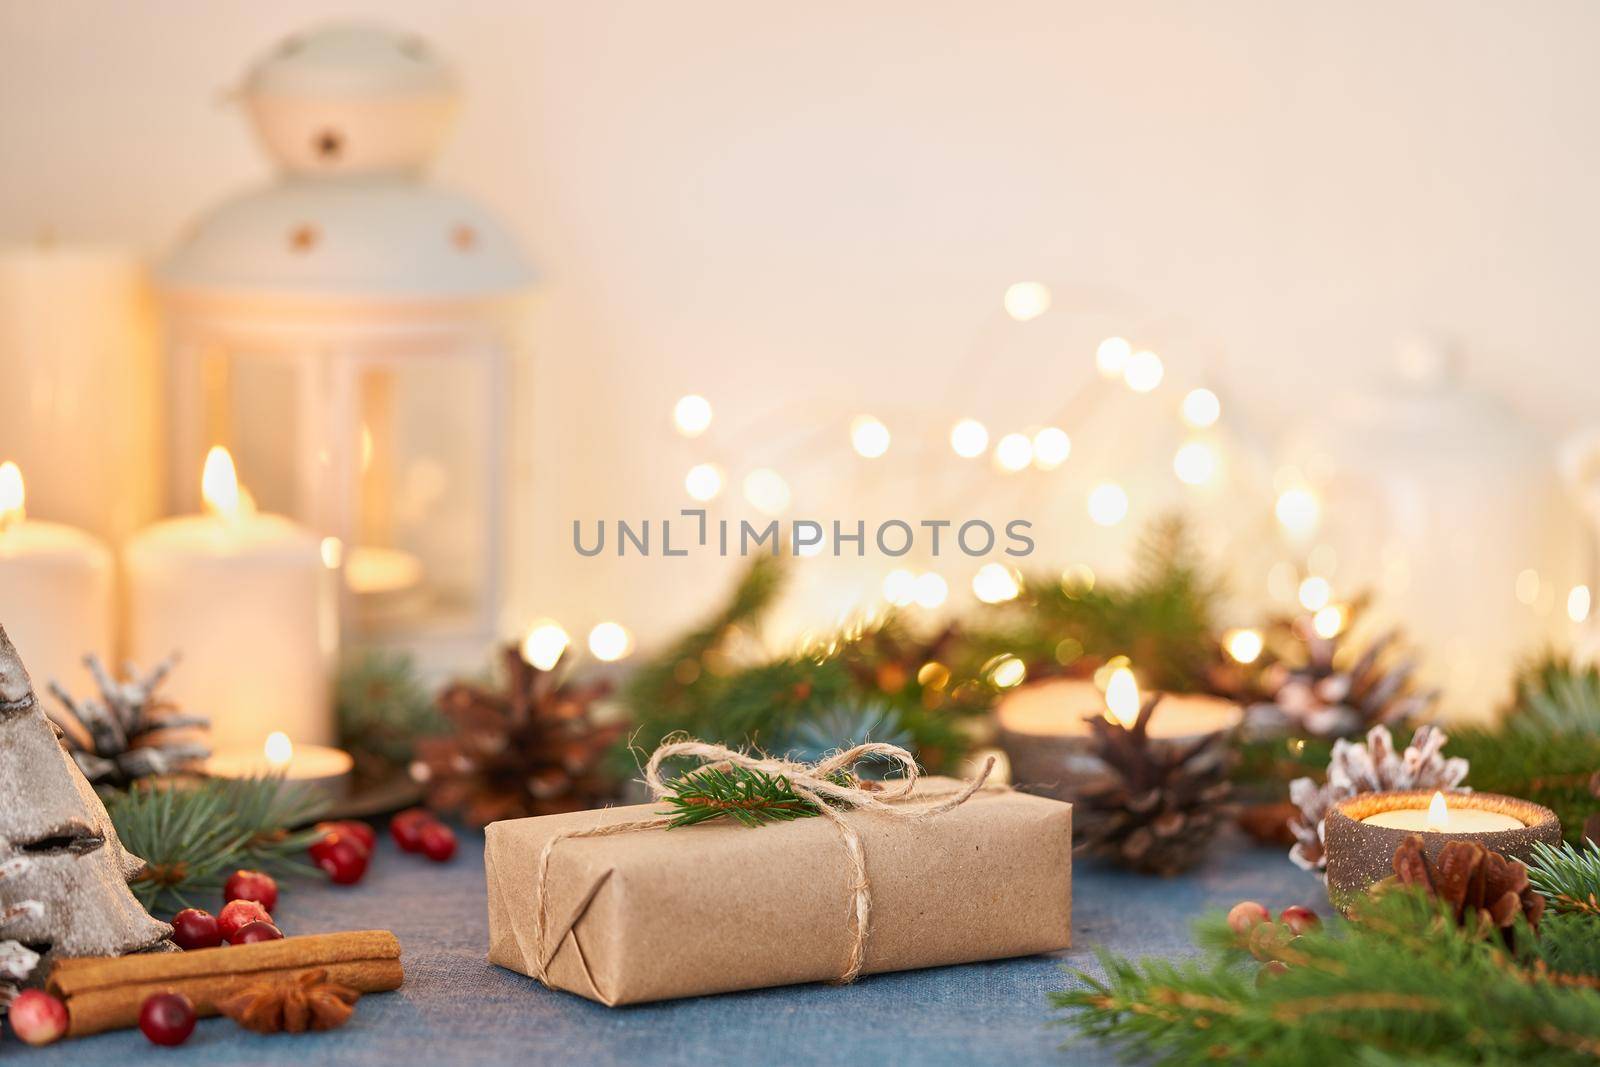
12 495
219 485
1122 697
279 750
1438 812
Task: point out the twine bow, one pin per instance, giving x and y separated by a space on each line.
814 783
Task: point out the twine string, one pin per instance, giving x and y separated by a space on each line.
815 783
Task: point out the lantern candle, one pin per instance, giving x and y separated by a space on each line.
249 602
55 589
1045 734
1361 834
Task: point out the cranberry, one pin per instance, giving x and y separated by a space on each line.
342 860
193 928
1245 914
1299 919
167 1018
252 885
37 1017
240 913
438 842
406 828
260 930
360 831
1266 940
333 832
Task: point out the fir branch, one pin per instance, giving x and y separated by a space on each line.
1569 876
1554 769
1556 696
753 797
193 837
383 707
1161 616
1396 986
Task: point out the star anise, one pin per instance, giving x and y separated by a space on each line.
306 1001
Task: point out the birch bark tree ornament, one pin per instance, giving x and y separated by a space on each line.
65 873
129 733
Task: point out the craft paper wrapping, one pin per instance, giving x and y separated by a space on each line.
656 914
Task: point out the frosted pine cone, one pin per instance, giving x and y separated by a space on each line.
1373 767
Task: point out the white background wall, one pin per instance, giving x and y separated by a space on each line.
814 207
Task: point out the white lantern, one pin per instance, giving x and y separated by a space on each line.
347 333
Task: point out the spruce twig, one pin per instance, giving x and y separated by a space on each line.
1396 985
1569 876
192 838
753 797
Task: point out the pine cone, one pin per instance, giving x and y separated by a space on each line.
1158 806
129 733
308 1001
1321 699
1485 890
529 749
1373 767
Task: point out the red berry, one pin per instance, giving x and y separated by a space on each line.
37 1017
438 842
343 861
338 831
1299 919
193 928
1266 940
1270 970
406 828
260 930
252 885
167 1018
360 831
1245 914
237 914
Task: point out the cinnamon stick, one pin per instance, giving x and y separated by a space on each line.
107 993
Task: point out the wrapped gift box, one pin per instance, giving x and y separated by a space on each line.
653 914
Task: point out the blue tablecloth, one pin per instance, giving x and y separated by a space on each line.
454 1007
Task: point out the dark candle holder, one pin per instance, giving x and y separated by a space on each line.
1360 854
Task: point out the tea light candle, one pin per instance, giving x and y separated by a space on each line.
317 768
249 602
1361 834
56 590
1439 818
1045 734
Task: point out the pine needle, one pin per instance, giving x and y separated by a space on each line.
1398 986
1569 876
193 837
752 797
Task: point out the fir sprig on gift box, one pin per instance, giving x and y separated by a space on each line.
752 797
192 838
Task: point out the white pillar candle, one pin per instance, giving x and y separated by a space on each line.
81 374
55 591
249 603
1440 817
